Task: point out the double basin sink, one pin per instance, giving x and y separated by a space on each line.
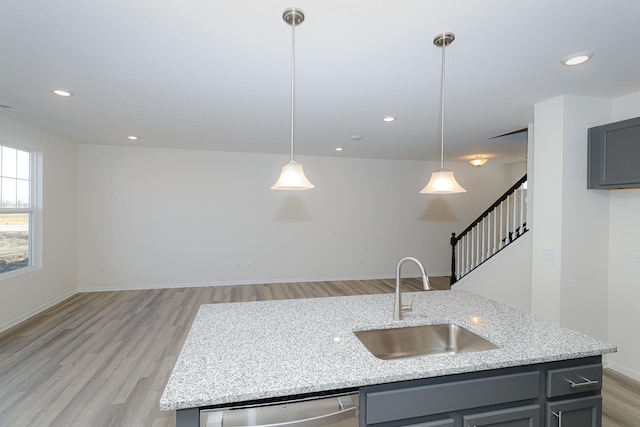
423 340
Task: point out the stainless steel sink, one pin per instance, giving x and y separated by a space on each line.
413 341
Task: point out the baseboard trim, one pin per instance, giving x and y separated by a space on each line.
141 287
624 370
37 310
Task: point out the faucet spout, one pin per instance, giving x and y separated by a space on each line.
397 305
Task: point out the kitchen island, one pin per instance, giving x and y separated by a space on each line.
261 351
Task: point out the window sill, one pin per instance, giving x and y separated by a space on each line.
18 272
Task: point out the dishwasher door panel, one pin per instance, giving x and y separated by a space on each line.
340 411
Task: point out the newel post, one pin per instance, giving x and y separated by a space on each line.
454 241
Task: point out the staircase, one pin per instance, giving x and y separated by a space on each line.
496 228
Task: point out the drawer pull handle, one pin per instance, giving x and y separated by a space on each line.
587 382
559 416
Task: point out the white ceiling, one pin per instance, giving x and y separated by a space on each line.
215 75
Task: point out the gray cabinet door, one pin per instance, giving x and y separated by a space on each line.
521 416
582 412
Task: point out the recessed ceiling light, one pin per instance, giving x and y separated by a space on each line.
62 92
389 118
355 137
132 137
577 58
339 148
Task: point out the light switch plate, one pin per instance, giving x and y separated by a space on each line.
548 254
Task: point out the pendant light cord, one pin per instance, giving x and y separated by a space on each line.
444 44
293 77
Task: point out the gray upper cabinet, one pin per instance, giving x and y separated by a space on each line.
614 155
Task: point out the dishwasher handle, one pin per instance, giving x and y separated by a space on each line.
347 410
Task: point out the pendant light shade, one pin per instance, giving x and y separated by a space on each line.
292 176
442 181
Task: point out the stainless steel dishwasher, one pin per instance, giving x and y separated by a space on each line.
333 411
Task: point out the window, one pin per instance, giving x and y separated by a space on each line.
16 209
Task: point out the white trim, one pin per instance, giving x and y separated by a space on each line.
37 310
624 370
18 272
140 287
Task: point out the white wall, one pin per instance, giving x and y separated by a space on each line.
624 262
506 277
30 291
585 228
546 173
570 222
517 171
159 217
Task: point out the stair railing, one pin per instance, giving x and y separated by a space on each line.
495 229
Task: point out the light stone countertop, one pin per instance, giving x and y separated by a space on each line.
245 351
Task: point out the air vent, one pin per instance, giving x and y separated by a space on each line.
515 132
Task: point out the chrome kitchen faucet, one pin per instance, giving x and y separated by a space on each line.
397 306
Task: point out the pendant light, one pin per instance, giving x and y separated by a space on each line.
292 176
442 181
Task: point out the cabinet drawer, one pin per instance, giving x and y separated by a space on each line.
448 422
405 401
521 416
562 382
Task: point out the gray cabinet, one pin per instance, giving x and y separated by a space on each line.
580 412
614 155
574 396
555 394
574 380
521 416
448 422
422 398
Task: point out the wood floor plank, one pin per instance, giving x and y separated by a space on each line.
103 358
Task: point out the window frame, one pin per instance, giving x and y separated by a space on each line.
33 210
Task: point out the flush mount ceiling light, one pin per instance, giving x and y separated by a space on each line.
577 58
478 161
442 181
292 176
62 92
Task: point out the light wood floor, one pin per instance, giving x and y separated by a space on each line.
102 359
